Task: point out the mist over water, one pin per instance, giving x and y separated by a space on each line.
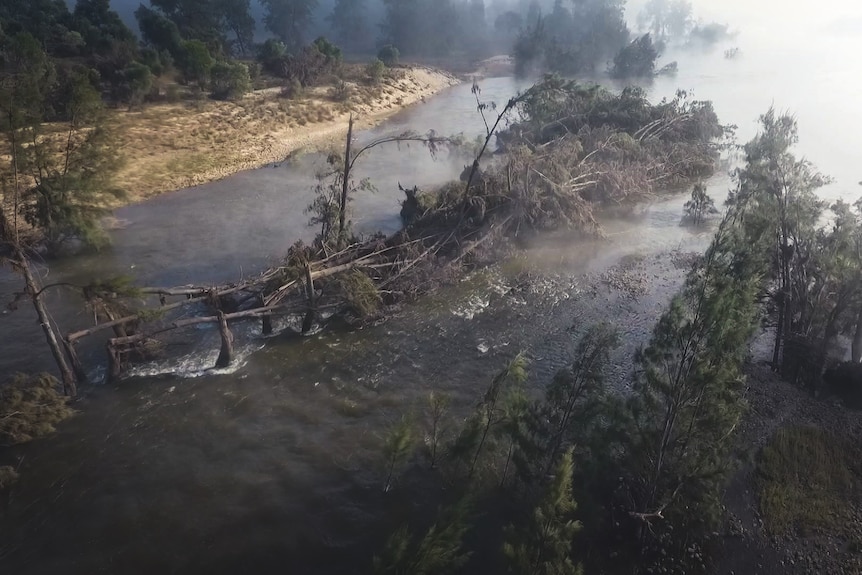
229 472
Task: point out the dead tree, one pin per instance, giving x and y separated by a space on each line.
225 356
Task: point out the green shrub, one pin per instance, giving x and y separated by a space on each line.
375 70
229 80
292 89
341 91
389 55
196 62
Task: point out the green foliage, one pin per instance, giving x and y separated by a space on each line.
805 477
359 293
570 397
375 70
783 220
666 20
330 51
288 19
159 31
438 407
238 20
675 449
30 407
502 407
137 84
271 55
637 60
572 39
195 62
229 80
151 58
340 91
389 55
439 552
700 206
292 89
70 179
102 29
544 545
348 21
398 445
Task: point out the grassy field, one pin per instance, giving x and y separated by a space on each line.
808 481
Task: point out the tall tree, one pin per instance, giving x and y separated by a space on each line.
239 21
289 19
196 19
349 24
57 184
687 393
25 79
71 173
159 31
787 214
544 545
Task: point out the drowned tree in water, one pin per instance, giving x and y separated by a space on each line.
56 179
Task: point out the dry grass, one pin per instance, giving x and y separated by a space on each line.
807 480
167 146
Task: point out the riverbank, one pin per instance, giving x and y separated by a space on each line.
801 512
168 146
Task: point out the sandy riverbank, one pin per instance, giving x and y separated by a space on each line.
169 146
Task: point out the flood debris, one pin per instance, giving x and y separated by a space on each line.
567 152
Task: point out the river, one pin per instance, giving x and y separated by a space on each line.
273 465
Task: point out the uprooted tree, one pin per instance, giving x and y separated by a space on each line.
568 150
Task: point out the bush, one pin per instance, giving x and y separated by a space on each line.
150 58
229 80
271 55
291 89
375 70
30 406
330 51
637 60
137 82
389 55
196 63
700 206
172 93
341 91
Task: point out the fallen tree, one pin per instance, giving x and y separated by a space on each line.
568 151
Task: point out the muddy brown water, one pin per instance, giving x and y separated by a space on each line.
273 465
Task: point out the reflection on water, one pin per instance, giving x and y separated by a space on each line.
273 466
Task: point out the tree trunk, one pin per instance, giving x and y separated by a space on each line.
225 356
115 364
70 383
856 348
345 185
266 320
308 320
77 366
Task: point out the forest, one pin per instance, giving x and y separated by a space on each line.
567 477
